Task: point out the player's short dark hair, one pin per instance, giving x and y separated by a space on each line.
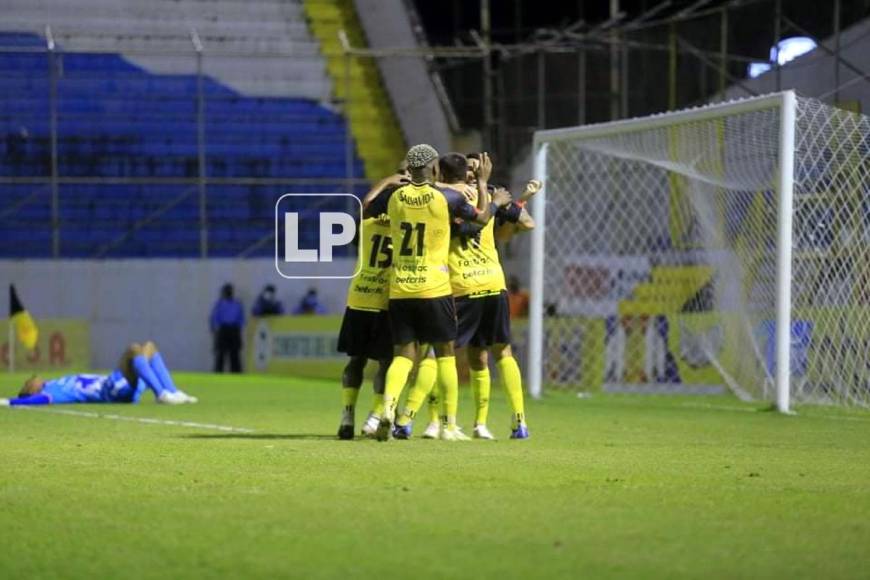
473 155
453 167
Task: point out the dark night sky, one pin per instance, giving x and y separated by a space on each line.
523 102
751 31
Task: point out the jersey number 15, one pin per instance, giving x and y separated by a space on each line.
381 246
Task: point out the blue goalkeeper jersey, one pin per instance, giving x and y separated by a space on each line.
93 389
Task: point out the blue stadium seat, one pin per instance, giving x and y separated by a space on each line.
117 120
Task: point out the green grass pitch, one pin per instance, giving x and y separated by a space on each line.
629 487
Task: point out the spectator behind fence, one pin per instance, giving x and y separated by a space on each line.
310 304
227 321
518 299
267 303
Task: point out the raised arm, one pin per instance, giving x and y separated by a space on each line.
484 207
377 206
396 180
518 221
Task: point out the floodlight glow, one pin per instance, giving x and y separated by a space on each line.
756 69
791 48
785 51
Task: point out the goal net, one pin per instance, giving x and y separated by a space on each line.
720 248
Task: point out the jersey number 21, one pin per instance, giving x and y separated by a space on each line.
409 247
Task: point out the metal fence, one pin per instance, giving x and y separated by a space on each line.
664 59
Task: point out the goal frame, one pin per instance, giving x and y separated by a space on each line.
786 102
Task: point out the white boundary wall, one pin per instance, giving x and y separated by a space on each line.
168 301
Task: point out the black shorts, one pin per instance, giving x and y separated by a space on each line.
366 333
423 320
483 321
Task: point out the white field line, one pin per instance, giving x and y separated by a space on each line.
147 420
753 410
719 407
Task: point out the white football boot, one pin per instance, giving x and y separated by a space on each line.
453 433
433 430
482 432
176 398
370 427
189 399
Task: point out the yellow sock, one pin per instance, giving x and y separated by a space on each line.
448 378
348 403
427 374
348 398
397 376
435 404
480 387
378 404
512 380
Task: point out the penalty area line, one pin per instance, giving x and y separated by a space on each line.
146 420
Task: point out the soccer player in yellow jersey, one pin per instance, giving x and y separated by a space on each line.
482 308
365 328
421 298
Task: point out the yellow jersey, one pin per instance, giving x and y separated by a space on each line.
475 269
420 218
370 288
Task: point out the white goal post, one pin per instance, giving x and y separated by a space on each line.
718 248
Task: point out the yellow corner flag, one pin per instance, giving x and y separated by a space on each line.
25 327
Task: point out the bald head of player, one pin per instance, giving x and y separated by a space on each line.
422 163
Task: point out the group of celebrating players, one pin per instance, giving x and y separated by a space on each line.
430 282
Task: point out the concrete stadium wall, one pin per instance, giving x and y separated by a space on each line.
168 301
421 115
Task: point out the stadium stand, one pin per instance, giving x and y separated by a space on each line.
131 114
669 290
372 121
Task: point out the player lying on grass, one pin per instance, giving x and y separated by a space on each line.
141 367
421 301
480 295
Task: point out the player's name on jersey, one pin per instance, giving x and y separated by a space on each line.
416 201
